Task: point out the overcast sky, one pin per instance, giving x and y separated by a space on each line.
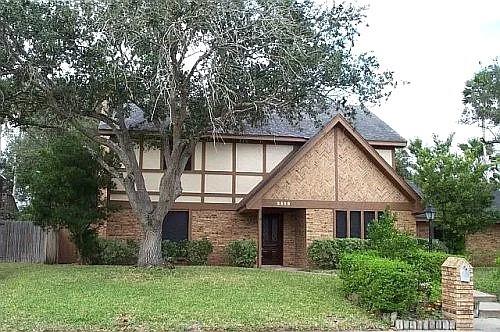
436 45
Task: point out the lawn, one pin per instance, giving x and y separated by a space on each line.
487 279
103 297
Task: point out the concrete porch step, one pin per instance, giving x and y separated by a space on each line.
483 297
489 310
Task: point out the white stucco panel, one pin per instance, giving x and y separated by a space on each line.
275 153
245 183
191 183
219 156
151 158
386 154
216 183
249 157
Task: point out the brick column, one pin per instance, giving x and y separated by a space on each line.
457 288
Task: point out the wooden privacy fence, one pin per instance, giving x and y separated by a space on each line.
22 241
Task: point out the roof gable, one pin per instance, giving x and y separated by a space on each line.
257 194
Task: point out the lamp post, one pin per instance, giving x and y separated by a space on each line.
430 214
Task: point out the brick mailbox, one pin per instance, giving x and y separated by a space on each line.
457 292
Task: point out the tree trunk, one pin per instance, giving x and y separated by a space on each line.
150 248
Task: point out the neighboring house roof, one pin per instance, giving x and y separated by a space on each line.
285 165
371 127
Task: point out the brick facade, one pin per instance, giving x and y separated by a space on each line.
222 227
319 225
300 228
294 238
484 246
406 222
121 224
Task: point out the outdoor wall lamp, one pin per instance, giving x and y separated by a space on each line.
430 214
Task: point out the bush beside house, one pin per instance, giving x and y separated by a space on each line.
392 273
326 254
242 253
380 284
192 252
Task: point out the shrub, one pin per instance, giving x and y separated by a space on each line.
387 240
117 252
437 245
380 284
241 253
173 251
325 254
197 251
428 264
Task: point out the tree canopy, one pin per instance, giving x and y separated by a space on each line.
481 97
193 67
459 185
60 182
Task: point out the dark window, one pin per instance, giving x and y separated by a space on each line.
380 214
189 164
341 224
175 226
355 223
368 217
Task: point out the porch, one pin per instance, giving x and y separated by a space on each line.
284 234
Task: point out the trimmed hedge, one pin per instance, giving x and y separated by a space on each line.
380 284
197 251
173 251
326 254
194 252
116 252
436 245
428 264
242 253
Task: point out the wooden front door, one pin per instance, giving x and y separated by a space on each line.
272 239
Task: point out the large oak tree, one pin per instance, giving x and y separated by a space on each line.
193 67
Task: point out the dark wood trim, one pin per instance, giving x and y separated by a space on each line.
336 156
233 173
190 225
259 238
385 144
264 160
203 162
393 153
118 192
141 152
266 138
183 206
362 224
340 205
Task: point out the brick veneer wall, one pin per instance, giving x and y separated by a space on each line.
406 222
484 246
121 224
221 227
294 238
319 224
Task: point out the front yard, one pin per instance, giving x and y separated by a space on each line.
487 279
103 297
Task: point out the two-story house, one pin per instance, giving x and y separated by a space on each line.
282 185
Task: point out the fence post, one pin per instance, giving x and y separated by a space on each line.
457 292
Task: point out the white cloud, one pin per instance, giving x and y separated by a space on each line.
436 46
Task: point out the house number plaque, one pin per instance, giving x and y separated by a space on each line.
283 203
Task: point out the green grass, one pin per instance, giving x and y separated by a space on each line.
101 297
487 279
